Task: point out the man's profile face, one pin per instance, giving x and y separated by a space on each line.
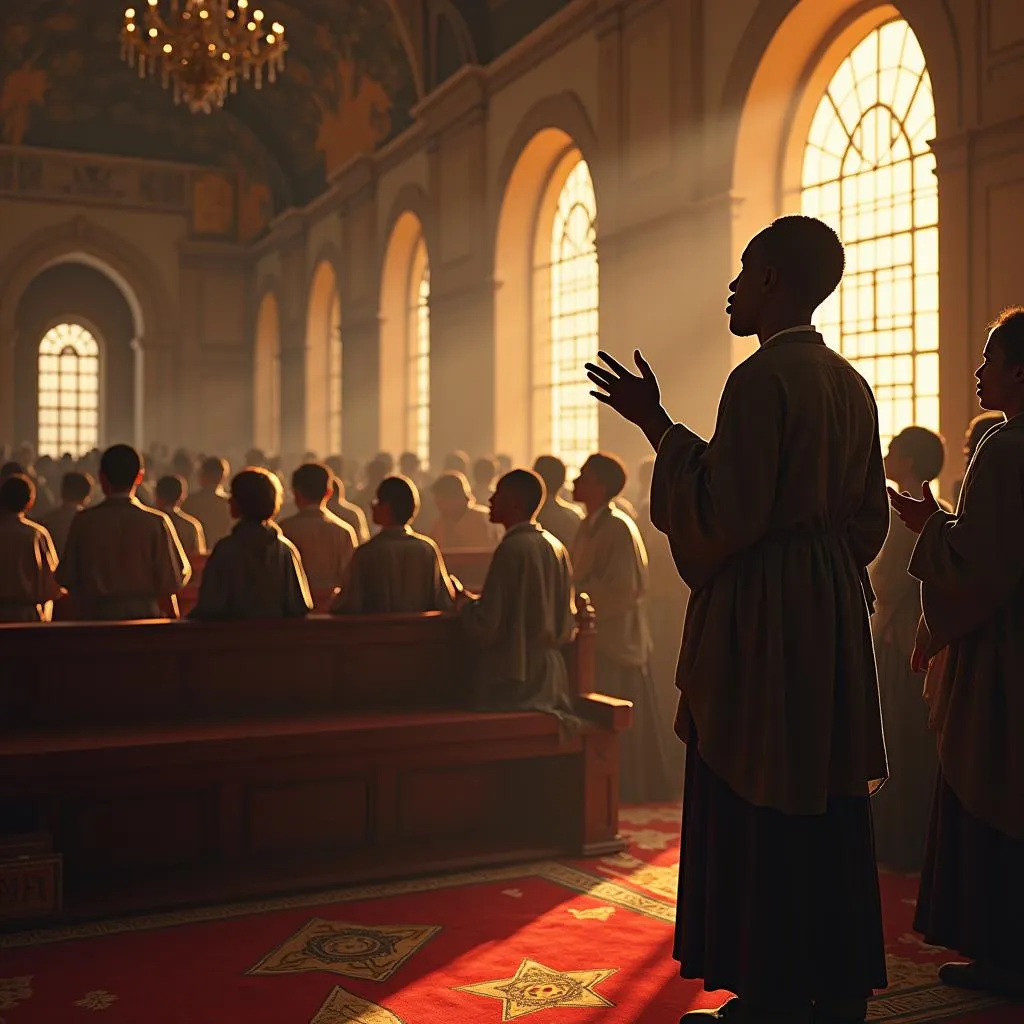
747 293
500 505
997 381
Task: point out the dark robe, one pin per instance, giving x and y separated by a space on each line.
772 524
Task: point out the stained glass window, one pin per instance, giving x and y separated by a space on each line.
334 378
417 417
562 391
868 172
69 391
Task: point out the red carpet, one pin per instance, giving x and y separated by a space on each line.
581 943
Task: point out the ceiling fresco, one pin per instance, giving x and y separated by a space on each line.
347 88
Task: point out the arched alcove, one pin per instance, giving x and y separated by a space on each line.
530 273
77 294
323 334
405 259
267 377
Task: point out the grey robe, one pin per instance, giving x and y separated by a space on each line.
325 543
560 519
398 571
772 524
971 568
525 615
254 573
121 560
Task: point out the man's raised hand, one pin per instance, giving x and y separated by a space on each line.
914 512
636 398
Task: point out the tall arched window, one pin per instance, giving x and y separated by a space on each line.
69 391
868 171
334 379
565 416
417 410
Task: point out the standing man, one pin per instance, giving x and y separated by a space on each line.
772 524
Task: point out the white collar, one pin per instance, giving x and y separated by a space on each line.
802 329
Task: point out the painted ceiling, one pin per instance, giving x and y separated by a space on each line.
347 88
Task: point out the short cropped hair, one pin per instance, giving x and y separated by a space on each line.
171 489
484 470
400 495
408 462
452 485
1010 325
75 487
312 480
611 471
458 461
527 486
925 449
256 493
216 468
385 459
10 468
17 493
551 470
807 254
121 465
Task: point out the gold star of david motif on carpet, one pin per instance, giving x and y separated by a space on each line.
536 987
342 1007
370 952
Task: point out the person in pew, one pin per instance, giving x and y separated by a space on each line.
900 809
560 518
398 570
456 462
346 511
170 492
460 523
28 561
526 612
210 504
255 572
122 560
610 564
483 480
971 568
373 474
772 523
324 541
75 494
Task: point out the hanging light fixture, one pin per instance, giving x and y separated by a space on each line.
202 48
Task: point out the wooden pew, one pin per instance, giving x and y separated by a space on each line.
470 565
215 761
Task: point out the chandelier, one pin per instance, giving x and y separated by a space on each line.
203 48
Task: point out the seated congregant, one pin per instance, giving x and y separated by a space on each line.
122 560
610 563
398 570
209 504
75 494
255 572
170 492
325 542
460 522
560 518
27 557
483 480
346 511
526 612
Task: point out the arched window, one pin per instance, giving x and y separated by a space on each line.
417 410
565 415
69 391
868 171
334 379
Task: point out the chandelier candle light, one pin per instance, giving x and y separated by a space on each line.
203 47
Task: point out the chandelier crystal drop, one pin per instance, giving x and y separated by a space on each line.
202 47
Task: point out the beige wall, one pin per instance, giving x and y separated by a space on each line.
684 110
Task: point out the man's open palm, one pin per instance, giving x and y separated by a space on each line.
636 398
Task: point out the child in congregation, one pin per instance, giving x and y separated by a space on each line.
170 492
255 572
28 560
398 570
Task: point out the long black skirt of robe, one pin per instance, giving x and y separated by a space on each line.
972 887
777 908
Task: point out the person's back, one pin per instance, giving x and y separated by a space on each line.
76 490
255 572
122 560
398 570
348 512
170 491
27 556
526 612
210 504
557 516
